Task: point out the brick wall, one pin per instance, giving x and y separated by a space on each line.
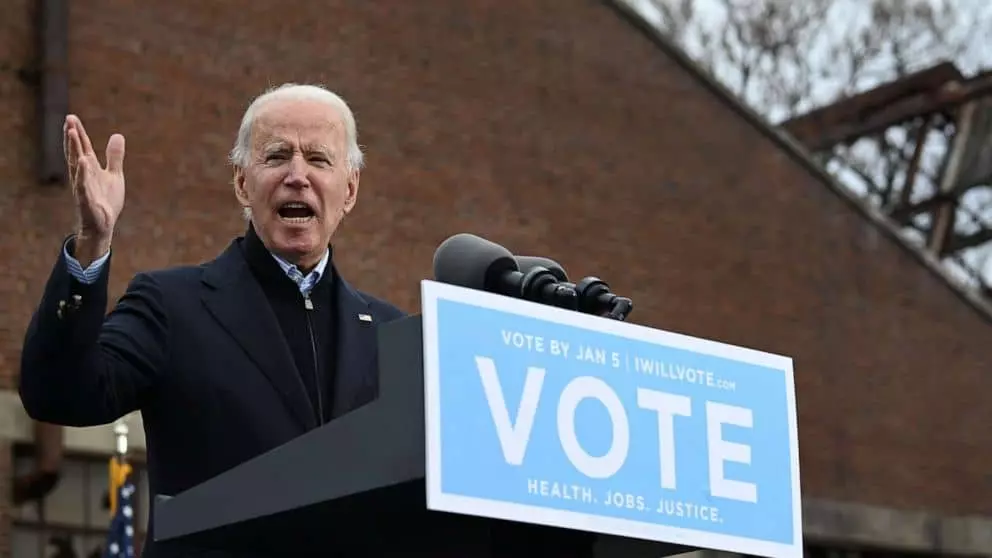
555 130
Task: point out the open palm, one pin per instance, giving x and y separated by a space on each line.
98 190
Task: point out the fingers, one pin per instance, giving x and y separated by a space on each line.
115 154
71 147
77 146
65 144
74 155
77 124
78 186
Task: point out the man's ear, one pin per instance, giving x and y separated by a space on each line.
239 187
352 199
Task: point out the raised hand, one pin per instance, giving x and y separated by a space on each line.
98 190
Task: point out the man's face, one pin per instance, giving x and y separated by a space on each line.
298 183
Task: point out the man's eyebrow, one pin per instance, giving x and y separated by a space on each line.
319 147
271 148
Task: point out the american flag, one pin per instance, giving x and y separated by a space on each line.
120 537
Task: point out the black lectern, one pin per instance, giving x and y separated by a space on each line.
355 487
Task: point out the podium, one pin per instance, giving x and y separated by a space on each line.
370 482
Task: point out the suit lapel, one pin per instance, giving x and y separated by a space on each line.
236 301
356 378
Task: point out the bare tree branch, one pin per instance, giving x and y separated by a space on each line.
786 57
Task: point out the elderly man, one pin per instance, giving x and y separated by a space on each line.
227 359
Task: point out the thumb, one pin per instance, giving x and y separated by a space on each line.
115 154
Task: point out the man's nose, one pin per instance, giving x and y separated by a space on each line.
297 173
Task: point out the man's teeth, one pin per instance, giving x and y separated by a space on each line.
296 212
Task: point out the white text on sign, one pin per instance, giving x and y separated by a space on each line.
514 435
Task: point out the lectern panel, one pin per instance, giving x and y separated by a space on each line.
505 429
552 417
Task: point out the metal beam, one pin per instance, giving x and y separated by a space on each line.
960 242
903 215
819 130
54 94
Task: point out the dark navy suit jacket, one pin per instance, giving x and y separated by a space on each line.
199 352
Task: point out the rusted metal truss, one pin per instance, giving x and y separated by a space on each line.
919 149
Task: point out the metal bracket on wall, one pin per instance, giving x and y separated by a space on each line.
53 98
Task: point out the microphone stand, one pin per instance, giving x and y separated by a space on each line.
595 298
622 307
591 295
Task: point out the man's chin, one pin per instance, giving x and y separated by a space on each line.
299 245
299 256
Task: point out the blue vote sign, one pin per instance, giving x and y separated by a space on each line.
542 415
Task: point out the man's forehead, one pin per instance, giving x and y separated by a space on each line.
297 120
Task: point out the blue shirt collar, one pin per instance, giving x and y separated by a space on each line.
306 282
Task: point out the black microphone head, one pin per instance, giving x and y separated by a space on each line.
471 261
526 263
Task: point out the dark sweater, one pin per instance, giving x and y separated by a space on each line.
287 303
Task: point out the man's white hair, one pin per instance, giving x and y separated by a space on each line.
240 155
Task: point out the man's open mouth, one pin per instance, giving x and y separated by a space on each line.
296 212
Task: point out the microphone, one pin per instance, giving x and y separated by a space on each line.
593 294
526 263
467 260
595 298
470 261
